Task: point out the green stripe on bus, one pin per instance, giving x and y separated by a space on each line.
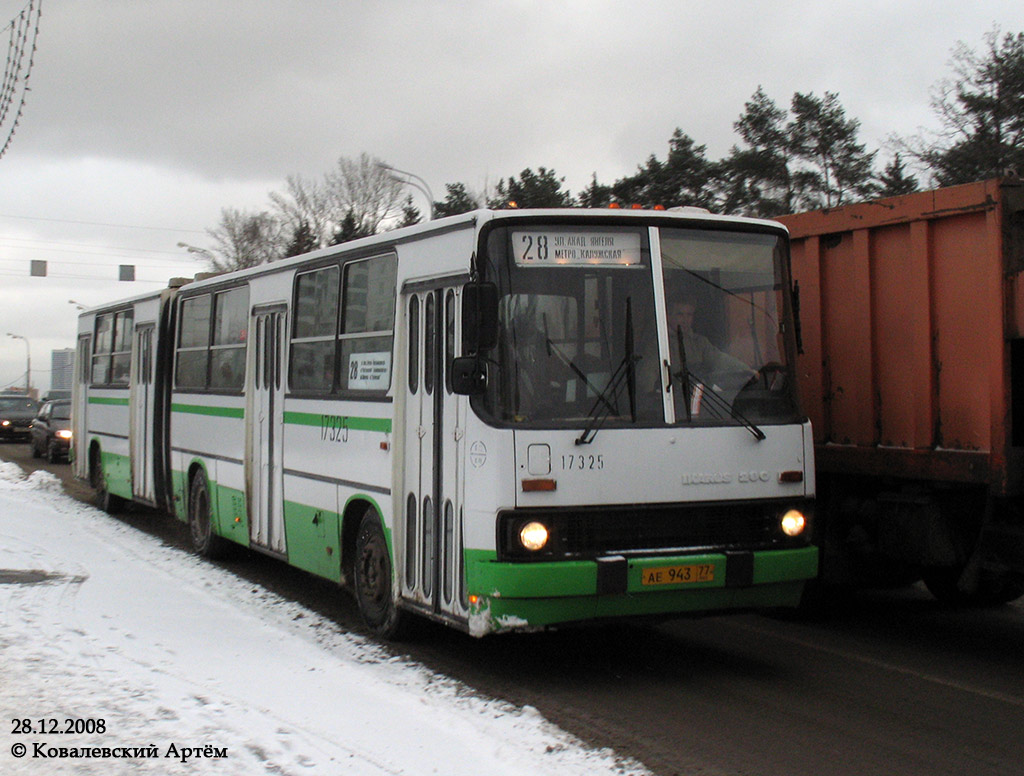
347 421
202 409
108 400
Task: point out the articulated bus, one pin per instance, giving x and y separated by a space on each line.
506 420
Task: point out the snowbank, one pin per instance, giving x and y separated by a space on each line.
102 622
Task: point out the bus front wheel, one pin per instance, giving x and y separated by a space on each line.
373 579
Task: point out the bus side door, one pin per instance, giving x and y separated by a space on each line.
433 569
264 474
141 418
80 406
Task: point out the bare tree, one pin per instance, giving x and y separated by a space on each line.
306 202
352 200
242 240
365 191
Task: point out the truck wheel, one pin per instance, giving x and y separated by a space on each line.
373 580
204 541
942 583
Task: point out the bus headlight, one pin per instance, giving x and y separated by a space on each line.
793 523
533 536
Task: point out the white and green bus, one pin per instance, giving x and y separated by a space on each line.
505 420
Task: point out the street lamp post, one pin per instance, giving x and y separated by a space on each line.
28 363
415 181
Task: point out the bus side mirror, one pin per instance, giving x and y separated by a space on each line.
479 317
469 375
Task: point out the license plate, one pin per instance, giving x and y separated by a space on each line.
679 575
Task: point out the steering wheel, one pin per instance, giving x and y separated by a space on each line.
771 377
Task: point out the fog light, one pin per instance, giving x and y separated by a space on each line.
533 536
793 523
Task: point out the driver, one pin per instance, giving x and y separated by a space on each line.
703 360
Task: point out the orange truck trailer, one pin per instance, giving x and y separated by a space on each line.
912 372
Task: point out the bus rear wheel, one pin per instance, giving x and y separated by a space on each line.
204 541
373 580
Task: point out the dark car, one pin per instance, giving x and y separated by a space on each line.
16 414
51 431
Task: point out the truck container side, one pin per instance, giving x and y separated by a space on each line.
912 372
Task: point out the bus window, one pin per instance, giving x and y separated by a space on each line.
104 340
410 541
429 332
449 338
120 360
193 343
414 344
111 361
230 329
311 366
367 326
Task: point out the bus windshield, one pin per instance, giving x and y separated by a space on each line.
583 342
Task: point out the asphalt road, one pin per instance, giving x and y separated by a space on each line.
894 683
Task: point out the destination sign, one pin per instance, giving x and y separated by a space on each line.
552 247
369 371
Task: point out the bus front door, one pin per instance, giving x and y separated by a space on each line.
432 565
264 476
140 418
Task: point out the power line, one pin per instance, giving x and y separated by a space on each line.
97 223
103 250
61 276
88 245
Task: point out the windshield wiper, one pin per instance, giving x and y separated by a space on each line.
716 403
626 370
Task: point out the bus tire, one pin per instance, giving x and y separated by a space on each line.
373 580
204 541
105 500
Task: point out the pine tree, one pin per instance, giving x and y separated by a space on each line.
303 240
894 182
350 229
758 179
410 213
805 158
457 201
532 189
838 168
595 195
681 180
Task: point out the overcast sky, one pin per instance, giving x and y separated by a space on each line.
144 119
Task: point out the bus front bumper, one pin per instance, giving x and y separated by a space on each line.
525 596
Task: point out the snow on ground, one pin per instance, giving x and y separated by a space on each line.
99 621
